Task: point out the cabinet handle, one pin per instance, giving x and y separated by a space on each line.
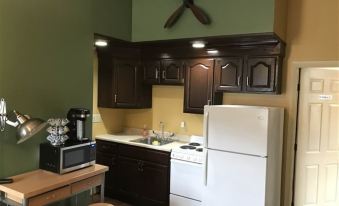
247 81
238 80
157 73
164 74
115 98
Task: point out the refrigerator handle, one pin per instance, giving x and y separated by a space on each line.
205 168
205 129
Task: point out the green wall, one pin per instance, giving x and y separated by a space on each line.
45 68
113 18
228 17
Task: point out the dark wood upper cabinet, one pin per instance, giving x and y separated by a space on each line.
125 83
228 74
152 72
167 71
172 72
199 86
120 83
261 74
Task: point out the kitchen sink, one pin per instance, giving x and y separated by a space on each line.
153 141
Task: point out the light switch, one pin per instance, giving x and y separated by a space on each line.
96 118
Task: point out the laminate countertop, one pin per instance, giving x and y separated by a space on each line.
126 139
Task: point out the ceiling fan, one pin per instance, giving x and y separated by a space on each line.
198 13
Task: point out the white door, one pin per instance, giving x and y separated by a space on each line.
234 180
240 129
318 138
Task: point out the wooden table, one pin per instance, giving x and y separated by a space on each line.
41 187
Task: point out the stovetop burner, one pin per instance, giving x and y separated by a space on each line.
188 147
199 150
194 144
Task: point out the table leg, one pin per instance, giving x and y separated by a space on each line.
24 202
102 189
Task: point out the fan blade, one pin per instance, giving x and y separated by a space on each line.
198 13
174 17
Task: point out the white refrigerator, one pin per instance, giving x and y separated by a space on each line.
244 155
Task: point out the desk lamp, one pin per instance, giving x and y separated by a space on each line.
26 127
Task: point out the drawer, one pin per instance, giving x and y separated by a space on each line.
145 154
50 197
106 147
86 184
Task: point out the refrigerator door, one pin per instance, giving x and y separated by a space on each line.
240 129
234 179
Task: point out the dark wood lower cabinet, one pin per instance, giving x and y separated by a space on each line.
139 176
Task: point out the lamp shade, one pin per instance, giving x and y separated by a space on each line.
28 127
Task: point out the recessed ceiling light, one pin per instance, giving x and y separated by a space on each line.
212 51
101 43
198 44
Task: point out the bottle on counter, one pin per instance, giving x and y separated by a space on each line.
145 131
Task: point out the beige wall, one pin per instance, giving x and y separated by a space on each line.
312 35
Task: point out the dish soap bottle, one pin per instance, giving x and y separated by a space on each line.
145 131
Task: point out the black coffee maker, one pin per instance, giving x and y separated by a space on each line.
77 118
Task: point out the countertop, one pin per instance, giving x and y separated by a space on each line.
125 139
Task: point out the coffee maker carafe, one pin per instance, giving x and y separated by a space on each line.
76 125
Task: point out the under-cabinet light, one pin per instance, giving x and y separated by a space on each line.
212 51
198 44
101 43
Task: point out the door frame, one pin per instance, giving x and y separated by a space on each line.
297 66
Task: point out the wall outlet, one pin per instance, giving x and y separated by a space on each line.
96 118
182 124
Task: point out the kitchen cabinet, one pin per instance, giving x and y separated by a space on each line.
251 74
106 154
228 74
199 90
262 74
141 175
120 83
166 71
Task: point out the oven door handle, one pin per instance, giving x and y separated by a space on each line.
175 161
205 168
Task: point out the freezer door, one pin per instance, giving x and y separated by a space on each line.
240 129
234 179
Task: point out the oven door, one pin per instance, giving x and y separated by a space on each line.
75 157
186 179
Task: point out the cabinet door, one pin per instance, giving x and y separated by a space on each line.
172 72
125 83
152 72
128 178
228 74
154 182
199 86
111 180
105 80
260 74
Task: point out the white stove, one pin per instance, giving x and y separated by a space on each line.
191 152
187 173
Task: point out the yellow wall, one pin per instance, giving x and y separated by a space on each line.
312 35
113 119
